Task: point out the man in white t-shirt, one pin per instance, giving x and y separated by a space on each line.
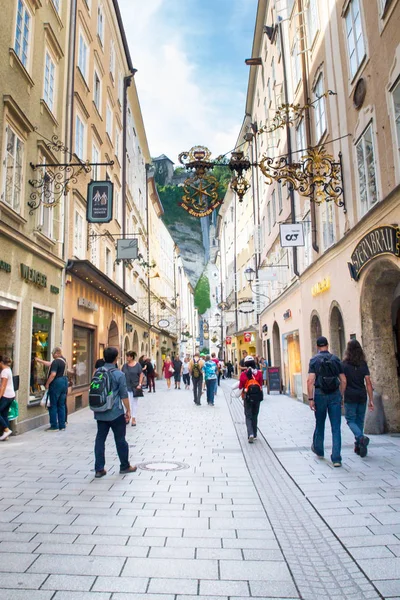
7 395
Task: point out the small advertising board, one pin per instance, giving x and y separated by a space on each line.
100 202
127 249
292 235
274 379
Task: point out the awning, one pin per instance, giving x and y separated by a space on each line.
101 282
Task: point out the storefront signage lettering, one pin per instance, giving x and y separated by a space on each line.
100 202
5 266
84 303
287 315
128 328
381 240
54 289
33 276
321 286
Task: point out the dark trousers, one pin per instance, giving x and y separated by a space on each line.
251 410
186 378
5 404
197 389
151 381
211 385
58 396
118 427
330 404
219 378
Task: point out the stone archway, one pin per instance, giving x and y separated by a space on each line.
113 335
316 330
276 345
135 346
379 319
337 338
127 345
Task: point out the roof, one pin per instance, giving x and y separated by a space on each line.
163 157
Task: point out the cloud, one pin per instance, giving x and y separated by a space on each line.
185 99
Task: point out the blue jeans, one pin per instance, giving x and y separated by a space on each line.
211 385
330 404
355 416
118 427
58 396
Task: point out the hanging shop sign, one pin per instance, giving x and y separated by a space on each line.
163 323
127 249
287 315
292 235
247 337
379 241
321 286
128 328
5 266
84 303
33 276
246 306
100 202
228 340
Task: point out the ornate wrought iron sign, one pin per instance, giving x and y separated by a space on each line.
200 191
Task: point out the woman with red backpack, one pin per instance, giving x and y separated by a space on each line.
251 384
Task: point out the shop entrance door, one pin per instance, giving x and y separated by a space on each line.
8 327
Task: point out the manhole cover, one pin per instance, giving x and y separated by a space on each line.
163 466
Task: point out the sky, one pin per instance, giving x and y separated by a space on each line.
191 79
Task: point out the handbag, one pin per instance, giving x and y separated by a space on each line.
138 393
45 400
171 370
13 411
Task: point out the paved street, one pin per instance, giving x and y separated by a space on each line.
230 521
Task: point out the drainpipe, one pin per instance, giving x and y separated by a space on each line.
235 269
127 83
289 148
148 167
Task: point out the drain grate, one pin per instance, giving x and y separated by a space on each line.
163 466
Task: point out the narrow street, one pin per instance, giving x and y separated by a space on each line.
206 514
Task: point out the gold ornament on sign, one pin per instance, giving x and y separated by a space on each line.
200 196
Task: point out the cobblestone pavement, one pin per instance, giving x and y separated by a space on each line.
208 528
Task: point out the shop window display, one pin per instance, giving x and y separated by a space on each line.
41 348
82 355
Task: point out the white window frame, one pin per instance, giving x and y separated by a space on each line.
83 55
23 33
57 5
95 158
280 199
118 138
307 249
301 143
80 144
16 193
312 20
109 120
328 224
49 80
320 118
112 59
364 174
296 67
79 234
97 90
269 218
354 36
100 23
273 206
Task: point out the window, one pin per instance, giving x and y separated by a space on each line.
97 91
118 143
396 102
109 123
41 344
312 21
273 202
328 224
22 33
280 204
79 241
296 64
367 182
79 137
83 56
13 164
49 81
269 92
355 36
82 354
301 143
95 159
108 266
320 110
307 249
120 89
100 24
112 59
269 217
57 5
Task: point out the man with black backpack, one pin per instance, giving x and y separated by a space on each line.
108 397
196 370
251 382
326 384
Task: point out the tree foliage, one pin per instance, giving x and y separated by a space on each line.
202 299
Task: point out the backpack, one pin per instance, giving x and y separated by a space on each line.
101 395
196 371
253 391
327 378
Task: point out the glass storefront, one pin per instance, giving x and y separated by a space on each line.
41 348
292 364
82 354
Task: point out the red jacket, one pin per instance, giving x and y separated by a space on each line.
244 379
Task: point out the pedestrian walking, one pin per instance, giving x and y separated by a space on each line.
242 366
57 384
210 371
177 364
358 390
150 372
111 415
7 395
186 373
217 381
251 382
168 370
134 378
196 371
264 368
326 384
229 369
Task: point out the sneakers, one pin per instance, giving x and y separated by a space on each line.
128 470
5 435
51 429
356 448
337 464
251 439
133 422
363 443
315 452
101 473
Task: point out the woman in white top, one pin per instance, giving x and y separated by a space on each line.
186 373
7 395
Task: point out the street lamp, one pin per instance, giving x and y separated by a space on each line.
250 276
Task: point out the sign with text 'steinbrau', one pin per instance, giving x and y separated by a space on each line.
381 240
274 379
100 202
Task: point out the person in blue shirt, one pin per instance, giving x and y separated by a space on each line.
116 419
210 370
